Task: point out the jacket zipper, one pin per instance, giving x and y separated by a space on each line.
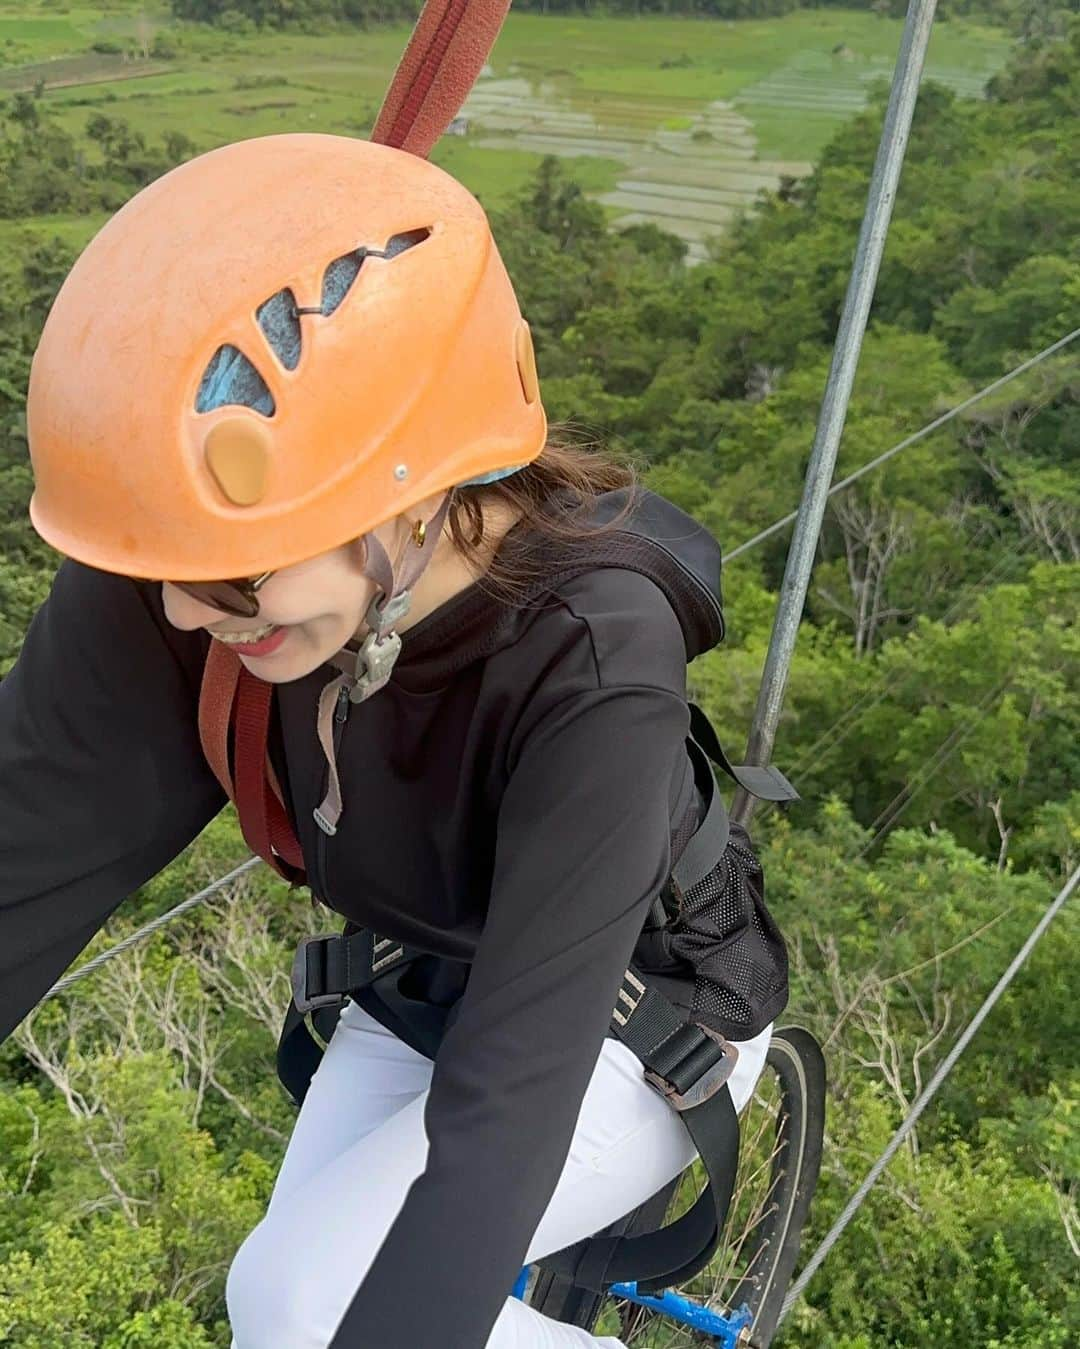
341 715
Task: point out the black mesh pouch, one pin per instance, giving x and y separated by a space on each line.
720 934
725 932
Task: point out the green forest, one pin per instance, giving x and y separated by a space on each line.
1029 17
931 723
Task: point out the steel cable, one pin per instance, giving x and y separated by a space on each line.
940 1073
913 439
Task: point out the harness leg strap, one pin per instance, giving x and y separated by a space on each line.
689 1065
685 1062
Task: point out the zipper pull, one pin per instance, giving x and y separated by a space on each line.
341 711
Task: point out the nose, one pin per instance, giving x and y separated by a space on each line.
185 611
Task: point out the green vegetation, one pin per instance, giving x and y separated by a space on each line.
678 123
932 723
218 85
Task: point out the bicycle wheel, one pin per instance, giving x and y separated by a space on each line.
779 1157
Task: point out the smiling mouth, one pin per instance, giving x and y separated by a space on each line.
246 638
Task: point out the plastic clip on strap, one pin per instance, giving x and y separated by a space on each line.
326 970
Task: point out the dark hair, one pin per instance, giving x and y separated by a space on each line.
554 494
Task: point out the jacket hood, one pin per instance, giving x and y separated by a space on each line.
672 549
657 539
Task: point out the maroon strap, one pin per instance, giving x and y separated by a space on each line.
445 54
216 699
231 698
263 820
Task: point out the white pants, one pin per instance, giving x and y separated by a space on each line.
360 1131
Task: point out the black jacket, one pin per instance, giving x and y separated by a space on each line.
509 798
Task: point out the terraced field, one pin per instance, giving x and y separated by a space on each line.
689 180
679 122
689 166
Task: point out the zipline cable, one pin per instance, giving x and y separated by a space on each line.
829 740
911 440
937 760
148 928
940 1073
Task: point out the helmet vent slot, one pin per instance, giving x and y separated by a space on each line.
342 272
280 323
338 279
400 242
231 378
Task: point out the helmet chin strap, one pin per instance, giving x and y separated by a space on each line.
367 670
371 666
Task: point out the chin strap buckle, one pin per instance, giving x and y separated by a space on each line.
374 664
380 648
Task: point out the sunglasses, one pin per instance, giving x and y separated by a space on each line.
239 598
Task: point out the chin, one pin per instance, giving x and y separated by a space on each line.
285 666
272 670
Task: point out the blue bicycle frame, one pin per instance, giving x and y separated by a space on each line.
725 1330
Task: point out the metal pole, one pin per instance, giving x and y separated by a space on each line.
875 227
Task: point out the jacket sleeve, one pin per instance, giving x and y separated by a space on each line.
583 846
102 777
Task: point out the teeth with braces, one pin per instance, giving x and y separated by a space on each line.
246 638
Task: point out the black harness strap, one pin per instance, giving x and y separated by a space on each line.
326 970
768 784
687 1062
689 1065
706 845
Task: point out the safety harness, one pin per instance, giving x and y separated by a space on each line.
685 1061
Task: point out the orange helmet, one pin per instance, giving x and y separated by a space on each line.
268 352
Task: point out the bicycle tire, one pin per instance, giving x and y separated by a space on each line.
799 1072
796 1058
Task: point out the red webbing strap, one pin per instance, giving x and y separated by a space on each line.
263 820
446 52
216 698
275 786
259 804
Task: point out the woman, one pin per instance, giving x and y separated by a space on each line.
299 360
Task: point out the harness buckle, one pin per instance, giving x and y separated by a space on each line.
709 1082
305 1000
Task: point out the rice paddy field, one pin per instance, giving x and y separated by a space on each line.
676 121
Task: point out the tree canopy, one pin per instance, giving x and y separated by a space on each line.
932 725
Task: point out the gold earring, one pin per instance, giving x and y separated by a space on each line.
419 533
